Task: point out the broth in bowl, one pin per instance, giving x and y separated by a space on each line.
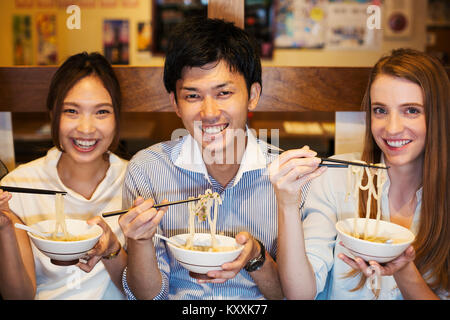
202 252
205 259
62 250
208 248
385 240
69 237
378 251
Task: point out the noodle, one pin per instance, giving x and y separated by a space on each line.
61 223
60 218
202 209
355 176
210 248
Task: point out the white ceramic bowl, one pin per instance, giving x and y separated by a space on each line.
66 252
201 261
368 250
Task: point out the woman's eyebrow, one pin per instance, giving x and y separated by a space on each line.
101 104
104 104
412 104
375 103
74 104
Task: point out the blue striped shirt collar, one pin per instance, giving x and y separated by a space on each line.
189 157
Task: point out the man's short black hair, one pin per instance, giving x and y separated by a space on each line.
199 41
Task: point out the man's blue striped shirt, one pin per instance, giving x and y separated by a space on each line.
174 171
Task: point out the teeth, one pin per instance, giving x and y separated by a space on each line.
85 143
397 143
214 129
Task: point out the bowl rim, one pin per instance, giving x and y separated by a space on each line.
346 235
95 226
238 249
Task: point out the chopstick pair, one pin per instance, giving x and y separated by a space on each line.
115 213
31 190
336 163
345 164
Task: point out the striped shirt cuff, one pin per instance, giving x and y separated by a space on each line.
162 295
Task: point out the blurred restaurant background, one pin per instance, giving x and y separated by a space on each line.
320 33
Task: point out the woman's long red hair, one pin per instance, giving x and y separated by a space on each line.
432 243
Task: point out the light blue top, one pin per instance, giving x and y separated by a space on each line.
175 171
324 207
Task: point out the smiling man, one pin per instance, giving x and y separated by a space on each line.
212 73
213 102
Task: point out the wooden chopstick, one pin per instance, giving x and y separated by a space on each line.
115 213
30 190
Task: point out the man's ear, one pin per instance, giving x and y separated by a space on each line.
173 103
255 93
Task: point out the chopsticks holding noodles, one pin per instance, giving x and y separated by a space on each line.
115 213
30 190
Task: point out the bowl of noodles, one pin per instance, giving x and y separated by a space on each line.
203 252
199 256
372 239
67 247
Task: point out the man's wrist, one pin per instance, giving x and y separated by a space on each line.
256 249
258 261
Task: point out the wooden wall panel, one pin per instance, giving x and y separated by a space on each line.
312 88
24 89
294 89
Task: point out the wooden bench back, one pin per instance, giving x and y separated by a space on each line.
24 89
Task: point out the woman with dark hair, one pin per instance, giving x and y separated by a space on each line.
84 103
407 112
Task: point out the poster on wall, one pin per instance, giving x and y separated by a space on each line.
46 3
116 41
347 27
258 22
65 3
130 3
47 50
22 42
144 38
87 3
24 3
438 12
330 24
108 3
81 3
300 23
